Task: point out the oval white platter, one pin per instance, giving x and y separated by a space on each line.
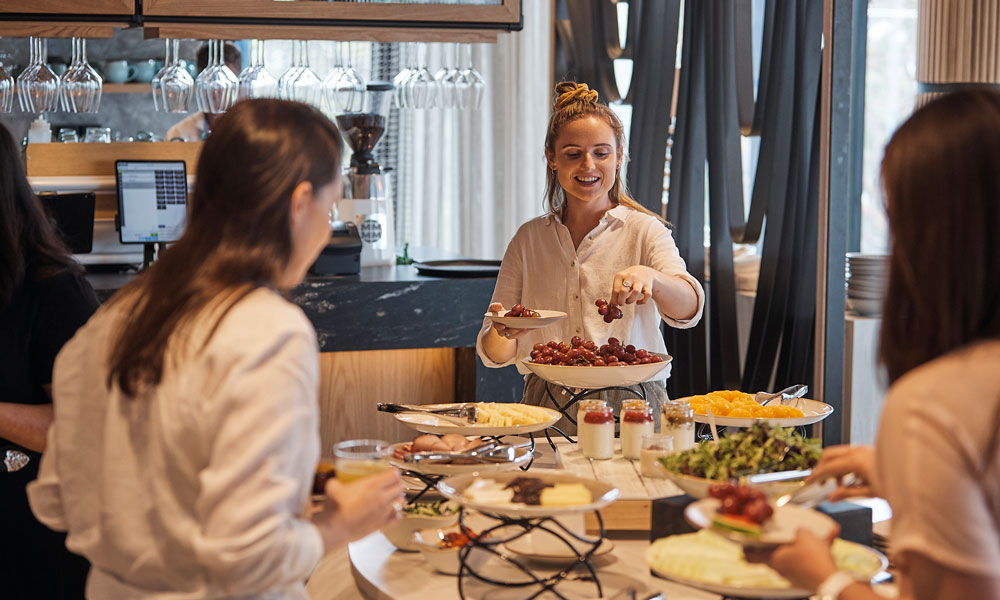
523 456
601 493
428 423
813 411
733 591
601 377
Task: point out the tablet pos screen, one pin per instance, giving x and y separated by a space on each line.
152 200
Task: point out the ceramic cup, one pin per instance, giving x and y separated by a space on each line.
118 71
145 70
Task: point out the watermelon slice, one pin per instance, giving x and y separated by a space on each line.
736 523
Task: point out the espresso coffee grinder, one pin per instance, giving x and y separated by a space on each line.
366 199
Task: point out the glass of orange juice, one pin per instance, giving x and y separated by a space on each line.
355 459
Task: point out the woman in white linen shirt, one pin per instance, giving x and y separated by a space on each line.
186 434
595 242
937 455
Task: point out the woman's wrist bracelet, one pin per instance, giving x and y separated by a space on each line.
833 585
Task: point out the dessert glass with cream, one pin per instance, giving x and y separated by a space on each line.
636 421
596 431
654 446
678 420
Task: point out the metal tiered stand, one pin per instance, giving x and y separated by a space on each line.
583 382
431 474
516 521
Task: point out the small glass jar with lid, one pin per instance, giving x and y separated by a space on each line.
636 421
678 420
596 431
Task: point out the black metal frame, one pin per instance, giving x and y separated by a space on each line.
486 542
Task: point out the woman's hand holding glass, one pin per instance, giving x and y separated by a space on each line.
502 330
353 510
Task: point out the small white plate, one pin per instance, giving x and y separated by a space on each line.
546 318
779 529
524 547
601 377
523 456
428 423
601 494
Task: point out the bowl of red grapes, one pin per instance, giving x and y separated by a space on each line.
522 317
581 363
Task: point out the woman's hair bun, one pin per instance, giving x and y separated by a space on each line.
570 92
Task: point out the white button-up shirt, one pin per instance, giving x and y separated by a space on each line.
543 271
196 488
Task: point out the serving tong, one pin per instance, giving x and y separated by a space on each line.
786 395
487 452
466 411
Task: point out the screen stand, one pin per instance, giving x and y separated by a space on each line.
147 255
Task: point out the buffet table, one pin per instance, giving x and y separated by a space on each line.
382 573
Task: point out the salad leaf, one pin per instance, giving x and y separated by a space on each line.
758 449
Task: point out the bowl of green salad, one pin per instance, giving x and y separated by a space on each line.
742 453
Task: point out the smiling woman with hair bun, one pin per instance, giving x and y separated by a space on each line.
594 242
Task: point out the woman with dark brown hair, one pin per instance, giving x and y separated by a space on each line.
186 427
935 459
595 242
44 299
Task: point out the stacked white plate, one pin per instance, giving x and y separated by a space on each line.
866 279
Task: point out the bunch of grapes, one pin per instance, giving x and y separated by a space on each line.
585 353
741 501
519 310
610 312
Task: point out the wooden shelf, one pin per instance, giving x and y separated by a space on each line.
263 19
507 12
315 32
88 160
126 88
61 7
60 29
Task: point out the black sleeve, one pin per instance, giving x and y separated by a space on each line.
65 302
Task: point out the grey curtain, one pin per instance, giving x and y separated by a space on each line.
713 90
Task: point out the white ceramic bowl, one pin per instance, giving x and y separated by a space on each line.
446 560
601 377
401 533
697 487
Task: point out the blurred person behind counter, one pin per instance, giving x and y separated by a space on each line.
44 299
197 126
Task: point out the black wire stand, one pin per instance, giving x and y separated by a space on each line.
488 539
638 391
